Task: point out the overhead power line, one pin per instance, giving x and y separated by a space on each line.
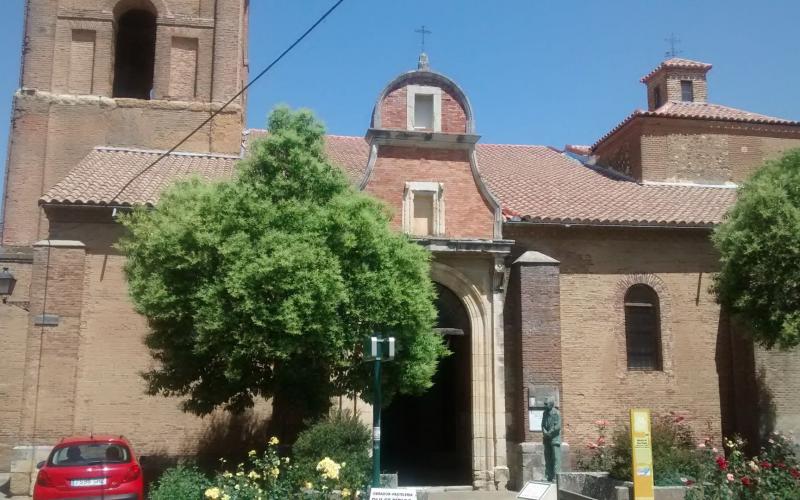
229 101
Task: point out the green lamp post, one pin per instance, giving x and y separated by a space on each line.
377 350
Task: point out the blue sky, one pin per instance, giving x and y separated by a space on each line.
536 72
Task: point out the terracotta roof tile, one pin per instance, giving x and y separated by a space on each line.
676 62
540 184
700 111
536 183
98 178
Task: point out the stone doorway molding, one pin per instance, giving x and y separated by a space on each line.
489 464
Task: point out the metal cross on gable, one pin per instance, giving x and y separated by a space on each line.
423 31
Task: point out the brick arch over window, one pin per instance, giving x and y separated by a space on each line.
638 289
134 48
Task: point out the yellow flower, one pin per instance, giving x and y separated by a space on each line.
239 474
345 493
213 493
275 472
226 497
328 468
308 485
273 441
251 453
254 475
227 474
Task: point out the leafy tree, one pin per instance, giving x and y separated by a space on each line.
759 243
267 284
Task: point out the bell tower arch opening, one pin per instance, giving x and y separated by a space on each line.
134 49
427 439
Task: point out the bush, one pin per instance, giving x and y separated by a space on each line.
343 438
674 456
180 483
773 474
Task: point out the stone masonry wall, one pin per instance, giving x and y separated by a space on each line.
467 214
597 266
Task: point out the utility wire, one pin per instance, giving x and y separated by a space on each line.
238 94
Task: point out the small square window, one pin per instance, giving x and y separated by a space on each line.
423 112
687 91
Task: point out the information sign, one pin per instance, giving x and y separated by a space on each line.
641 445
393 494
538 490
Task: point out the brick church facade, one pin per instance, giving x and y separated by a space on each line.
580 274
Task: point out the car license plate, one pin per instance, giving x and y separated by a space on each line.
81 483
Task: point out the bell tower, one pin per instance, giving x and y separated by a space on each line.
122 73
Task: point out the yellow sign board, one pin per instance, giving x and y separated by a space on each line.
642 456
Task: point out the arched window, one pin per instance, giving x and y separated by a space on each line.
135 54
642 328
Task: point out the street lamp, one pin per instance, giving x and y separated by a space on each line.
7 282
377 349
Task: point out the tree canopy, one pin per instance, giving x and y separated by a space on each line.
759 243
266 285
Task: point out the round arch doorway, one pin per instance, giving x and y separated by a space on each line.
427 439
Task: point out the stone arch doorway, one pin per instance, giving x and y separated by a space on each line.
427 439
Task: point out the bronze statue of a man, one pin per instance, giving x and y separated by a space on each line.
551 438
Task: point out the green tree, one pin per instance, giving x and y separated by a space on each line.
267 284
759 244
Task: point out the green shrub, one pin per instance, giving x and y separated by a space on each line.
674 451
180 483
342 437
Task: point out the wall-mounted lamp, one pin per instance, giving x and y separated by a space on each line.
7 282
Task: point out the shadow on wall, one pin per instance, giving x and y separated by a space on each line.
230 437
746 401
765 404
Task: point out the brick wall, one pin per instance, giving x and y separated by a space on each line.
394 109
467 214
677 150
597 266
13 332
61 59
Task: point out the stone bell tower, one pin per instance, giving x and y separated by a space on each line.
125 73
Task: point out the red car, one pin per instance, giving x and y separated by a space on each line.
90 467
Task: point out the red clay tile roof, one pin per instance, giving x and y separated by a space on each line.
700 111
540 184
104 171
676 62
537 183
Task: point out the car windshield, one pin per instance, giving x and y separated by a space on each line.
89 454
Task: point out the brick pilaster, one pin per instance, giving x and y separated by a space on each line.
51 359
539 309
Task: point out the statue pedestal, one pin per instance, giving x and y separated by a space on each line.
531 461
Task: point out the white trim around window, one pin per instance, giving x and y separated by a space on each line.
411 93
433 189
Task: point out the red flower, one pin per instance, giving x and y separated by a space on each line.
795 473
746 481
765 465
722 463
780 465
601 441
678 419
